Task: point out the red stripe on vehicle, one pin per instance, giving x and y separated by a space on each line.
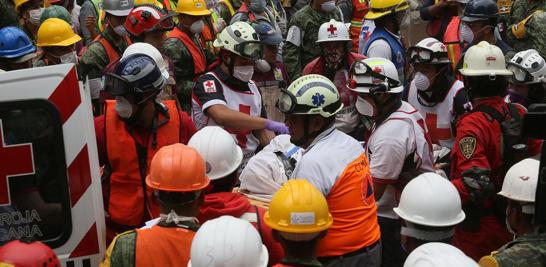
89 244
79 175
67 95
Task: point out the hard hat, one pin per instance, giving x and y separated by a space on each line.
148 2
15 43
310 94
298 207
380 8
56 32
27 254
19 3
484 59
148 18
520 182
221 153
149 50
374 75
480 10
430 200
240 38
227 242
428 51
192 7
267 34
177 168
528 67
435 254
56 12
118 8
333 31
136 74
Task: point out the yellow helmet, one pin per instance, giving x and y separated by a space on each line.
148 2
380 8
298 207
18 3
56 32
192 7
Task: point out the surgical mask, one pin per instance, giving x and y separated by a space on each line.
120 30
364 107
243 73
123 107
197 27
263 66
466 34
328 6
403 19
34 15
257 6
70 57
421 81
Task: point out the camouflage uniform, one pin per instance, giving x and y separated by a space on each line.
535 32
528 250
8 16
301 41
94 60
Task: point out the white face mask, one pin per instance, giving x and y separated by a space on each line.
34 15
263 66
71 57
466 34
197 27
364 107
123 107
120 30
422 83
243 73
328 6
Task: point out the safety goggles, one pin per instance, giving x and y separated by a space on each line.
423 55
251 50
378 83
520 75
288 104
119 86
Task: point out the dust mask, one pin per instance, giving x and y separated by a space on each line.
69 58
34 15
421 81
365 107
197 27
123 107
328 6
263 66
243 73
465 34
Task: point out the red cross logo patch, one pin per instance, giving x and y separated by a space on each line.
210 86
332 29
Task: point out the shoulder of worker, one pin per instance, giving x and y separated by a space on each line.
302 16
95 53
528 250
174 48
337 143
122 249
208 87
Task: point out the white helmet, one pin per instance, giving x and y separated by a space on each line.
435 254
520 182
428 51
484 59
333 31
240 38
431 200
528 67
374 75
227 242
118 8
220 151
150 50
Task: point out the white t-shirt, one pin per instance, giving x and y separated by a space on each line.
380 48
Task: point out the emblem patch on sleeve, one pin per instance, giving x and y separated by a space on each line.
467 146
209 86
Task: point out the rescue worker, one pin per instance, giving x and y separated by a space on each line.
55 11
299 198
91 20
479 160
436 254
270 73
223 157
436 94
177 176
25 253
430 207
8 16
300 46
135 126
526 26
106 49
226 96
148 24
528 84
238 245
254 11
184 48
225 9
451 35
394 158
16 49
439 15
529 247
310 104
354 11
58 43
334 62
28 13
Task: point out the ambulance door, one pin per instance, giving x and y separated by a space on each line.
49 175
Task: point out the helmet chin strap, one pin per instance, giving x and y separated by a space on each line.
307 136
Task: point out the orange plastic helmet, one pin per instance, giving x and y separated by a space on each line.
177 168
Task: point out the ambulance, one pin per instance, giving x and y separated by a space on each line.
49 173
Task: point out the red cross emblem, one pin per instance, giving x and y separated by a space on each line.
436 134
377 69
210 87
332 29
15 160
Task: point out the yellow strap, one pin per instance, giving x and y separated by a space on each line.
356 23
519 29
488 261
229 6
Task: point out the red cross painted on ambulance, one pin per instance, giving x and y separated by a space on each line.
332 29
436 133
15 160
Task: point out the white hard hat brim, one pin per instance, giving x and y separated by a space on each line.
334 40
467 72
119 13
406 217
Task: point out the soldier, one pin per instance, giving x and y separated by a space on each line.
526 29
8 16
29 12
254 11
529 248
16 49
57 40
300 46
185 49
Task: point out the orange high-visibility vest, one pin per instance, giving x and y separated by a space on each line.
163 246
199 60
452 42
360 8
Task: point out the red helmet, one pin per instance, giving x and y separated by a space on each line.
148 18
28 254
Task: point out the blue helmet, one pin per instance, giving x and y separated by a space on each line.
136 74
15 43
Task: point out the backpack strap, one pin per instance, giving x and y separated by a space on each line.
514 112
495 114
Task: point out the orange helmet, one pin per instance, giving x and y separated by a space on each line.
177 168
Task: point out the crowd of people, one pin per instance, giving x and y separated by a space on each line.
305 132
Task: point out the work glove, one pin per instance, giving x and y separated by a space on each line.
518 30
478 184
276 126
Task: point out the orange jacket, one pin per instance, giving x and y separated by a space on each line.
451 40
360 8
127 200
163 246
199 60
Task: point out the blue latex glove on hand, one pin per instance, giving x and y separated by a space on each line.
276 126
